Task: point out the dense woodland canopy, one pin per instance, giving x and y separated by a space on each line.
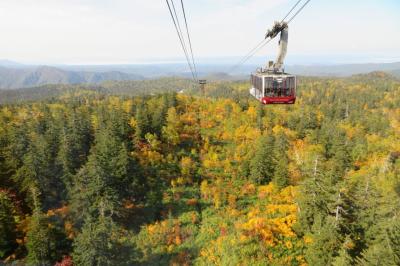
92 178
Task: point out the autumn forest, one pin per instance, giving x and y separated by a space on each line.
165 176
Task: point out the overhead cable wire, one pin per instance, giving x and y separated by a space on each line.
263 43
190 41
183 40
179 27
250 54
291 10
175 21
298 11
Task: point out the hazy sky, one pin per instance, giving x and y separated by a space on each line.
129 31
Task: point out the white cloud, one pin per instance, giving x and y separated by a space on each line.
123 31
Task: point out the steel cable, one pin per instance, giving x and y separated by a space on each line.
176 21
190 41
263 43
298 11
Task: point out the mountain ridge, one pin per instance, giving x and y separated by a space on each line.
14 78
14 75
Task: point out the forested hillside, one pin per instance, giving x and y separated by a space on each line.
90 178
124 88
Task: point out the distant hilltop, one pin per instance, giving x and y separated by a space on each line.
13 78
344 70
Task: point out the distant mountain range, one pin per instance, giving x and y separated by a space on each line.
14 75
8 63
19 77
343 70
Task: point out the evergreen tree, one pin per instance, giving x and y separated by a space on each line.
99 244
393 238
377 254
370 210
118 123
281 172
170 132
158 117
39 244
262 166
46 239
75 140
7 226
39 168
171 99
325 242
260 116
343 259
109 176
341 157
314 198
142 121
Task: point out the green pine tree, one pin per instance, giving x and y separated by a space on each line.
40 244
393 239
325 242
314 198
262 166
281 173
378 254
260 116
142 122
343 258
7 226
38 167
109 176
100 244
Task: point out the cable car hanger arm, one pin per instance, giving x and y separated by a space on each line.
276 29
283 29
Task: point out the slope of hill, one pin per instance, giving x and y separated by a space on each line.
122 87
373 76
396 73
8 63
12 78
341 70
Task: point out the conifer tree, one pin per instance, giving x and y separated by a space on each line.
98 244
7 226
314 198
142 121
281 172
343 258
38 168
377 254
40 242
340 158
171 99
109 176
262 166
325 242
75 140
170 131
393 237
260 116
158 117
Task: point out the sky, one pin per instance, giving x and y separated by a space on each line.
139 31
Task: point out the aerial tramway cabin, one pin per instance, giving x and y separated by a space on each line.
271 87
